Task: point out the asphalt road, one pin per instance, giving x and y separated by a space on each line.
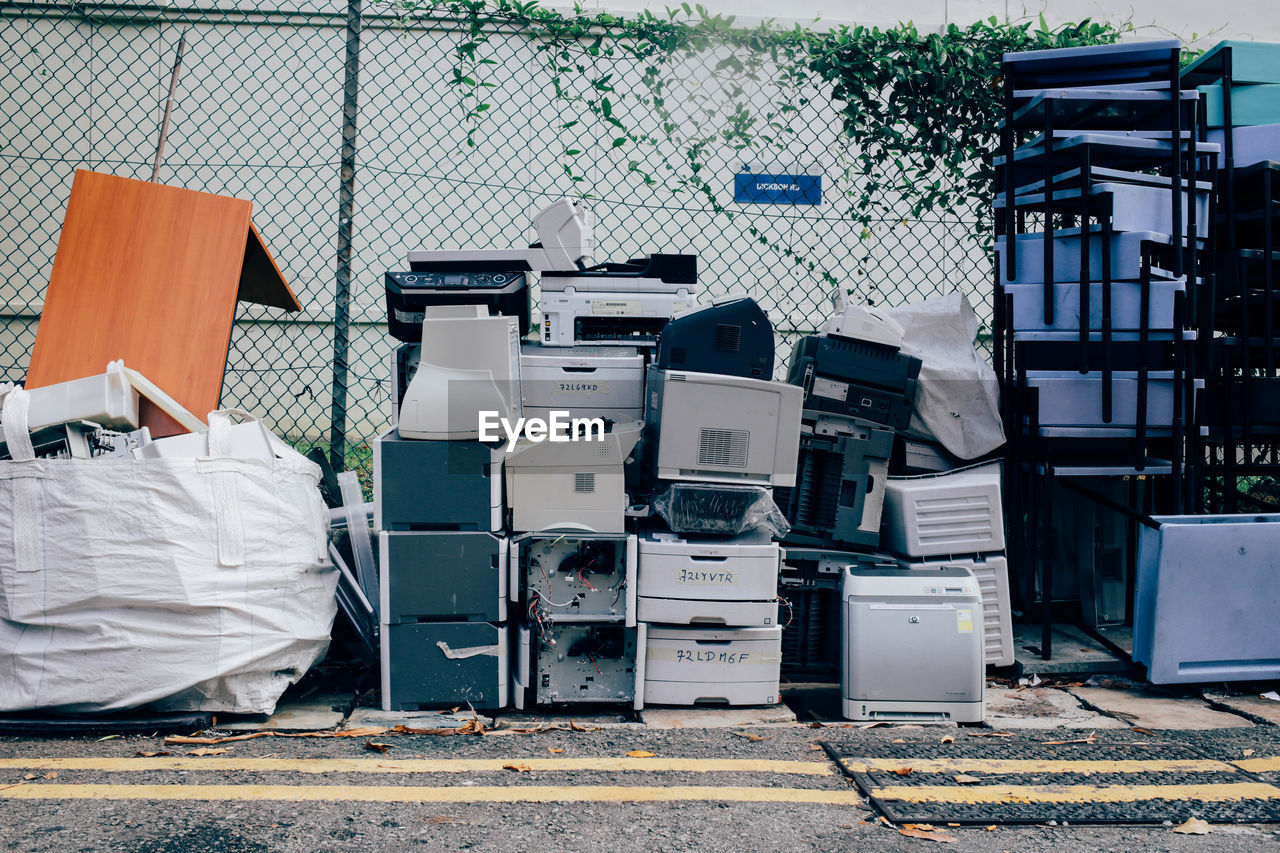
66 813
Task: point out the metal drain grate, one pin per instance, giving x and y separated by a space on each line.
1016 781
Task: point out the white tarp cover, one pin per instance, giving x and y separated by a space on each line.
958 398
180 584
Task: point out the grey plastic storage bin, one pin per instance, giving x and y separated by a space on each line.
1126 256
1126 306
1069 399
1207 596
1249 145
1135 207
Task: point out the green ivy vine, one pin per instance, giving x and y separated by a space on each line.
918 110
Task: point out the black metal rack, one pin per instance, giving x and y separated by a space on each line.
1080 126
1240 420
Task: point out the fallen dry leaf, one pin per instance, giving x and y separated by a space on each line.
964 779
108 737
991 828
52 774
519 768
1193 826
204 750
1246 752
902 771
815 747
577 728
749 736
874 725
990 734
639 753
29 776
554 750
947 739
374 746
929 835
953 824
1140 730
817 725
153 754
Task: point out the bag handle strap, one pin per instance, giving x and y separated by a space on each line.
13 417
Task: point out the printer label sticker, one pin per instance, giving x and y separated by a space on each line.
964 621
830 389
615 307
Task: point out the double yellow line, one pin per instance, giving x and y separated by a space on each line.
974 793
44 790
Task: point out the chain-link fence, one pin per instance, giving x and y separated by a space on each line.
343 127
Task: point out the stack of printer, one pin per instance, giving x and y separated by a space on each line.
858 388
719 435
438 507
478 513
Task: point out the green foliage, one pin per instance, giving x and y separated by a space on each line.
918 110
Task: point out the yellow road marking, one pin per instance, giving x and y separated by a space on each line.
1076 793
1258 765
416 794
421 765
1003 765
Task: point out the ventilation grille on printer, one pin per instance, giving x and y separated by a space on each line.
584 481
728 338
723 447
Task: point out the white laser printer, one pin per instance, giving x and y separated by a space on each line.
571 485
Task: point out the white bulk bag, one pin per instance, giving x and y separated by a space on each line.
180 583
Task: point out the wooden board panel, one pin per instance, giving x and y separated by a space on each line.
150 274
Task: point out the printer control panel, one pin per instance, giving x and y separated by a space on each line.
455 280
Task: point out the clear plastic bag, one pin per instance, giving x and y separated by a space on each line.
720 509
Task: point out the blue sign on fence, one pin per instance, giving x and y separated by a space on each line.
777 189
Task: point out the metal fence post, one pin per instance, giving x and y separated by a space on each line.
346 211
